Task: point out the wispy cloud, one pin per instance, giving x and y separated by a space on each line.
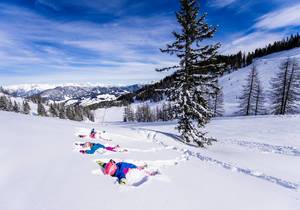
268 28
250 42
221 3
289 16
32 45
111 6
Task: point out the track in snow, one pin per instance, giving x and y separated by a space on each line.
188 153
265 148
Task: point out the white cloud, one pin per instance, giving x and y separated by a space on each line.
289 16
111 6
32 45
249 42
48 4
221 3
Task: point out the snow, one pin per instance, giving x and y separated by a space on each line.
267 68
254 165
45 86
100 98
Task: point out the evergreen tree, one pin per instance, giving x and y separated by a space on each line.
286 88
70 114
158 114
139 114
9 105
53 110
128 114
62 111
41 110
165 112
218 103
259 98
196 75
3 103
147 113
16 107
89 114
252 100
26 108
78 113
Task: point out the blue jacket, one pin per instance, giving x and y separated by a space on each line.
122 169
94 148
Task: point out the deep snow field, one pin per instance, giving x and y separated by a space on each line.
253 166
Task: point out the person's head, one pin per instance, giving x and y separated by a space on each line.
88 144
110 168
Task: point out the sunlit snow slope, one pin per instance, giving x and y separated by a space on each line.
255 165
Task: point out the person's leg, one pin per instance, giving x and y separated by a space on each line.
112 149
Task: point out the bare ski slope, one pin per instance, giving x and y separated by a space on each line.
255 165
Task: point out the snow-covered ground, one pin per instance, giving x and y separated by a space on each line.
254 165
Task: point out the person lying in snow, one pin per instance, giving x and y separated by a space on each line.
91 148
118 170
93 133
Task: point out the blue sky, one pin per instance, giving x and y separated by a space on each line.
118 41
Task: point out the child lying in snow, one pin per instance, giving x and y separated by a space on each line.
96 135
93 133
91 148
118 170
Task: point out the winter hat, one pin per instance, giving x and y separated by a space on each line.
110 168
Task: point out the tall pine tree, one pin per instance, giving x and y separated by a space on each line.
217 103
286 88
196 74
41 110
3 103
16 107
259 98
252 98
26 107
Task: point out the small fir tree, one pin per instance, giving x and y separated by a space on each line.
26 107
41 110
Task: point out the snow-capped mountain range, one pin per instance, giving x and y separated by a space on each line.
85 94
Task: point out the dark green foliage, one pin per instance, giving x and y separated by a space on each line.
25 107
70 113
41 110
4 103
195 77
16 107
54 110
